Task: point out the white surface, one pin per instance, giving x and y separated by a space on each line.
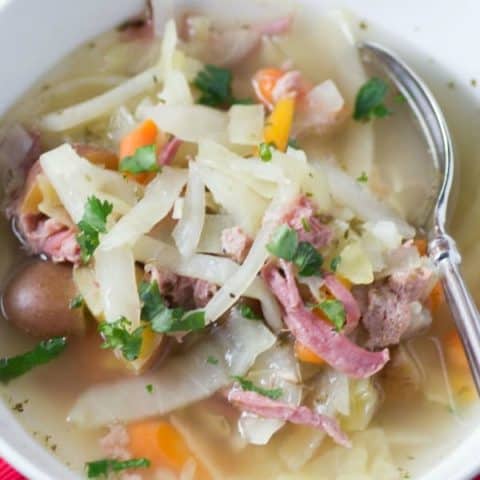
36 34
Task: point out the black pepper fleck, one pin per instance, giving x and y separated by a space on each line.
363 25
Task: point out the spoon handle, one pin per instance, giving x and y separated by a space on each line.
465 313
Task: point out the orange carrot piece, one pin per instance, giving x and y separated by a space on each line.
305 355
98 155
436 298
422 246
454 350
163 445
145 134
264 82
278 126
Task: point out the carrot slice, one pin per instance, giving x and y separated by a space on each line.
264 82
305 355
454 350
422 246
145 134
436 298
163 445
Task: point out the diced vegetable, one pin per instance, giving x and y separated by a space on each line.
355 264
306 355
159 197
188 230
145 134
181 381
279 124
44 352
245 126
117 336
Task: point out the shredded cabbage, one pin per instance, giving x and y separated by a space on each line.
211 268
181 381
245 125
188 230
158 200
75 179
115 274
355 265
87 287
210 240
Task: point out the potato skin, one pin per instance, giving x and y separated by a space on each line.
36 300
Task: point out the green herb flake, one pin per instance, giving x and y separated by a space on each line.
400 98
307 259
116 335
369 102
335 263
265 151
93 222
363 178
284 243
76 302
143 160
334 311
212 360
164 319
44 352
248 385
102 468
215 86
247 312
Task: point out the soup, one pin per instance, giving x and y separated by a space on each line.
227 272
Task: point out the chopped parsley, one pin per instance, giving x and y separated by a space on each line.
335 263
334 311
285 244
400 98
116 335
93 222
248 385
370 100
44 352
143 160
212 360
363 178
265 151
247 312
307 259
76 302
102 468
149 388
215 85
164 319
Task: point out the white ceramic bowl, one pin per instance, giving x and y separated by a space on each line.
439 38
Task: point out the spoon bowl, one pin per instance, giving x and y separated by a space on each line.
441 247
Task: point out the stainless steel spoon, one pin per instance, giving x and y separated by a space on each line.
441 247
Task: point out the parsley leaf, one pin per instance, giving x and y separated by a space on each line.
335 263
212 360
363 178
284 243
334 311
149 388
143 160
93 222
44 352
265 151
101 468
274 393
307 259
116 335
215 85
164 319
247 312
76 302
369 101
306 224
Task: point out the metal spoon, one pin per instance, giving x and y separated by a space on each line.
441 247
